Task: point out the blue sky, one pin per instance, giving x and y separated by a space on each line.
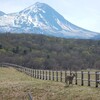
83 13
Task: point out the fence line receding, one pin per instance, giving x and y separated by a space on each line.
89 78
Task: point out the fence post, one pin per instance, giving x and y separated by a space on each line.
40 74
88 78
37 74
53 75
76 77
49 75
23 69
31 73
34 73
82 78
57 76
96 78
27 71
43 74
70 72
46 74
65 75
60 76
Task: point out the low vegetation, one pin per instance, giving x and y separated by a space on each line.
43 52
15 85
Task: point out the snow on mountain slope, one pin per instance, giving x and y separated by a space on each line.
2 13
7 20
40 18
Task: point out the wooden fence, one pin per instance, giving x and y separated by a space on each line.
89 78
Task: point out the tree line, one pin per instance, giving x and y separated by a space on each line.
44 52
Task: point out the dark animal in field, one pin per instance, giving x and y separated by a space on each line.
69 79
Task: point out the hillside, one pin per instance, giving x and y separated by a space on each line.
43 52
15 85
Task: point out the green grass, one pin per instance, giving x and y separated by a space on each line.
15 85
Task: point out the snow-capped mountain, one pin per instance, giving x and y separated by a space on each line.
2 13
40 18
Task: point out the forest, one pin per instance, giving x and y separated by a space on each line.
44 52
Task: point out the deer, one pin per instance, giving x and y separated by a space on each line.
69 79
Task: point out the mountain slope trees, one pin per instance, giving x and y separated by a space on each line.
43 52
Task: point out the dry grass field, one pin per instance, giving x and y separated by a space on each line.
15 85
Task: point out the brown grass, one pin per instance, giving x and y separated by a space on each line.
15 85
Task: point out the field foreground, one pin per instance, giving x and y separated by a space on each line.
15 85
